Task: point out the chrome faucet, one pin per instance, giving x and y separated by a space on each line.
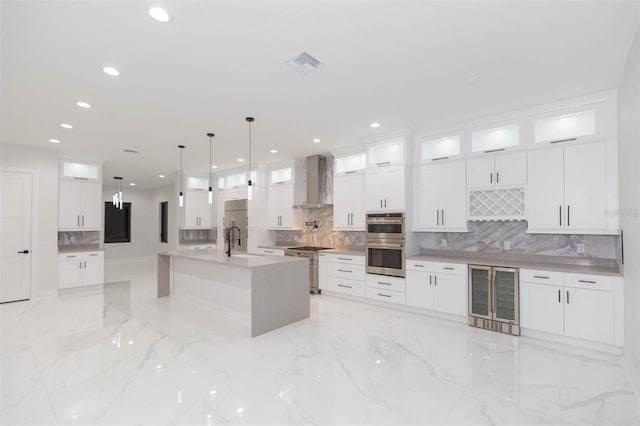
229 229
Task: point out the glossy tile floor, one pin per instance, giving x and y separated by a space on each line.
118 355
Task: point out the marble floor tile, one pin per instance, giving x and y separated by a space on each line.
117 355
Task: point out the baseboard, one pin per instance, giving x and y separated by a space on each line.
45 294
571 341
634 375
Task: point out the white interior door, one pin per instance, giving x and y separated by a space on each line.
15 230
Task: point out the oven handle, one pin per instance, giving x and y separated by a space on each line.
386 245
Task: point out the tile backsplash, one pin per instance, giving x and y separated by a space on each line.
490 237
209 235
324 235
77 238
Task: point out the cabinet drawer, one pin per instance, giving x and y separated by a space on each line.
70 256
592 282
346 270
386 295
540 277
93 255
419 265
346 258
450 268
341 285
271 251
386 283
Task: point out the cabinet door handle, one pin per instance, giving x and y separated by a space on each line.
490 177
442 217
345 258
419 266
540 276
435 280
348 219
385 203
497 177
85 264
78 221
430 279
559 296
383 283
560 214
568 215
383 164
567 297
345 286
380 202
268 251
82 220
80 265
587 282
344 270
438 217
564 140
383 295
447 268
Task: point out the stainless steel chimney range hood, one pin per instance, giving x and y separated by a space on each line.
317 190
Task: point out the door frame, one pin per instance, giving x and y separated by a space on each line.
35 230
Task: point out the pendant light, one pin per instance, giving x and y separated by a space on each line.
117 196
249 184
211 135
181 197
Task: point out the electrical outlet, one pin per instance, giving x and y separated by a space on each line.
443 242
507 245
580 248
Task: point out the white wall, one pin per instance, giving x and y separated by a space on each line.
143 223
629 154
45 206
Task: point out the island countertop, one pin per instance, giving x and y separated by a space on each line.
241 260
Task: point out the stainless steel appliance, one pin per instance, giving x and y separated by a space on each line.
310 253
235 214
386 244
494 299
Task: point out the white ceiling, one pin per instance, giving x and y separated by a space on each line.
404 64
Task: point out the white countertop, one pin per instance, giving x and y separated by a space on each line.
349 251
212 256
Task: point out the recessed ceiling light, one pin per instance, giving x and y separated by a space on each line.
66 126
214 167
132 184
111 71
82 104
375 125
274 151
54 140
161 176
473 80
159 14
316 140
241 159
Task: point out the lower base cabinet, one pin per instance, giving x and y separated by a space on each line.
573 305
342 273
429 287
80 269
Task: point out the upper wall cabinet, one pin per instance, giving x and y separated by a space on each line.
391 151
79 206
438 149
578 124
350 163
495 139
440 197
497 170
80 170
286 173
385 188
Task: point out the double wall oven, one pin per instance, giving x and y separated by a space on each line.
386 244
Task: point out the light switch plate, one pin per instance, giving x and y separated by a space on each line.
443 242
580 248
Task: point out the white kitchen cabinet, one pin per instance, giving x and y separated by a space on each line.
280 207
82 171
350 163
574 305
495 138
385 188
197 210
589 315
322 271
437 286
440 197
439 149
498 170
79 205
348 202
541 307
567 189
385 153
577 124
342 273
80 269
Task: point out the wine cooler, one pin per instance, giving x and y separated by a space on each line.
494 300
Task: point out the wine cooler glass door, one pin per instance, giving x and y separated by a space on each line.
480 292
506 297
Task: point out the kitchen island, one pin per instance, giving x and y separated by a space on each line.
266 292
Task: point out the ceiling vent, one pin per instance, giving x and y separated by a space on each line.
131 151
304 63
